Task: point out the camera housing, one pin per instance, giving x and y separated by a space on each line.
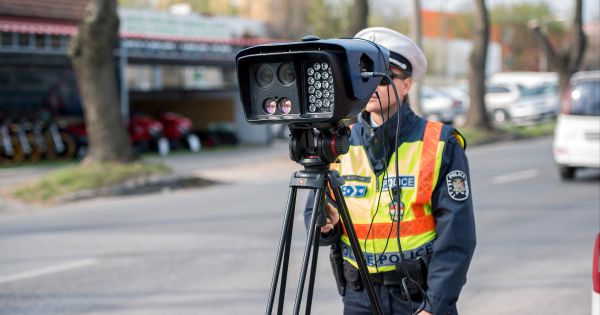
313 81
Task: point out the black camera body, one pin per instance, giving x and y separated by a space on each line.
308 82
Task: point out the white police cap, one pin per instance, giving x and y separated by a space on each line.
404 53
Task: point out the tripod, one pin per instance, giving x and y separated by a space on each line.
315 149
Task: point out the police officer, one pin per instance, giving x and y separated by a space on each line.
423 210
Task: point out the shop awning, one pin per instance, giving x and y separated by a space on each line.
36 26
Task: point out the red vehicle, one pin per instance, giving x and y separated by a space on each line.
148 133
145 133
178 129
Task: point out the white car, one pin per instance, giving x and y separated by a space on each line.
596 278
577 134
439 106
520 104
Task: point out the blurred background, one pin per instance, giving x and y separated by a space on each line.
131 183
177 57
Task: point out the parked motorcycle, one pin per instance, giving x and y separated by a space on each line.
10 151
147 133
178 130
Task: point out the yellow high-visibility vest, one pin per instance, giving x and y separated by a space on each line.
374 209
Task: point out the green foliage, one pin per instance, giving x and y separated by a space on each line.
506 132
511 20
209 7
521 13
401 25
328 19
523 132
82 177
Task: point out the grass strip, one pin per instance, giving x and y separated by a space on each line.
506 132
84 177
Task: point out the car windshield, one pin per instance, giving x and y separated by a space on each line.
538 90
585 99
493 89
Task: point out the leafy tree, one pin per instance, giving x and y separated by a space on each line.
91 53
358 17
568 58
511 21
329 19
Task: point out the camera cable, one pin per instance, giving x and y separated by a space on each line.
408 279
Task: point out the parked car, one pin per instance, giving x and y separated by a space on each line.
596 277
577 134
520 104
461 93
439 106
178 129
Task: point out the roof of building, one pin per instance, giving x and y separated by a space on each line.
64 10
61 17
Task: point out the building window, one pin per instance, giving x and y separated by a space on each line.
22 40
5 39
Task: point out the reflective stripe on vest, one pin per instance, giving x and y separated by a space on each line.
369 199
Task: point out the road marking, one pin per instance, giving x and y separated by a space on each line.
49 270
511 177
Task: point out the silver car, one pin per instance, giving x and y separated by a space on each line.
439 106
519 104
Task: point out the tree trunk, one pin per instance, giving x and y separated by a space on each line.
358 17
569 60
417 35
91 52
477 116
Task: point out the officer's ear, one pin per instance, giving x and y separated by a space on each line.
403 86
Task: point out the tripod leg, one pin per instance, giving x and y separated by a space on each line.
315 256
362 266
283 252
311 239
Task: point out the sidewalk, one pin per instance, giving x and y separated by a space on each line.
230 165
237 165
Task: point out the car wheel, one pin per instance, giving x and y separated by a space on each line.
500 116
566 172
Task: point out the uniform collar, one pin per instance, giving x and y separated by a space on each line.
407 118
380 141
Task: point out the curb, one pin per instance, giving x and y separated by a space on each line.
144 185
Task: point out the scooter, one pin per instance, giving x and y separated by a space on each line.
147 132
144 133
178 128
10 151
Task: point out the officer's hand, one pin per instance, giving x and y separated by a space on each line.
425 313
332 219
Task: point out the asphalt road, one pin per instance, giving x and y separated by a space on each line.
211 250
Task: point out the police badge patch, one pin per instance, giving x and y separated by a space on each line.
458 189
396 215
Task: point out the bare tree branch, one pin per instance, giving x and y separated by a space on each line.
477 115
565 62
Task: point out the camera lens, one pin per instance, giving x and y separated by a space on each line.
285 105
264 75
286 73
270 106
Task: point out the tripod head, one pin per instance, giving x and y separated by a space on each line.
317 146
